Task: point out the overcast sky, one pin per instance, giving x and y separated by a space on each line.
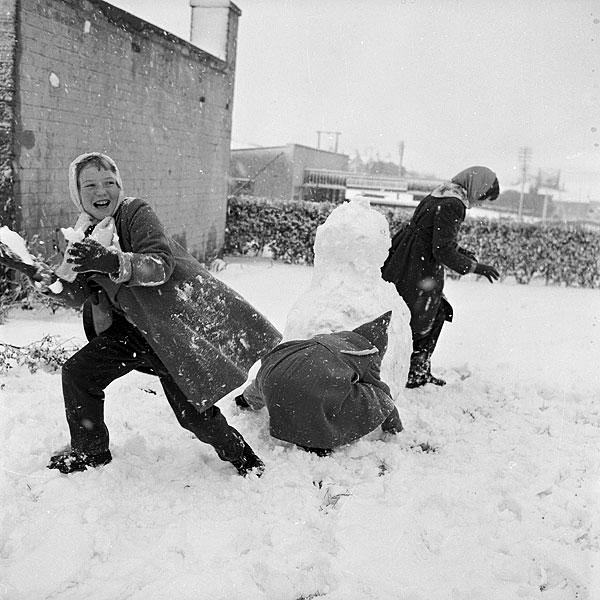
461 82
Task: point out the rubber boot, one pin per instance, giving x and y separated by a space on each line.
431 378
248 463
418 371
70 461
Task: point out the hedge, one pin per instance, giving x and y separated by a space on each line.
285 229
560 254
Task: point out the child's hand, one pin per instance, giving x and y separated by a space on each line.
487 271
45 277
392 424
468 253
90 255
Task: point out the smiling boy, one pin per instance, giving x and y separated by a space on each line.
200 344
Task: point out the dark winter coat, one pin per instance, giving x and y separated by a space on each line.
206 335
418 255
325 391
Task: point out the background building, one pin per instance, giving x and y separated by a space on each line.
81 75
286 173
296 172
404 192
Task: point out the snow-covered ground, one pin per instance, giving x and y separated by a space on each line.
506 508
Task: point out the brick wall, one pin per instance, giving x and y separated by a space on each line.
8 212
92 77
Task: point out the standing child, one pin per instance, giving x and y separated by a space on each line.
422 250
149 306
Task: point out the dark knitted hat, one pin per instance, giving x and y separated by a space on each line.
376 332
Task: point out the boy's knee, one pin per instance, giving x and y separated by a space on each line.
189 418
70 369
76 368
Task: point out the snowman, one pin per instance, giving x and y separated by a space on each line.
347 290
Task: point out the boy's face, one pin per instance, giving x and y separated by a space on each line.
99 192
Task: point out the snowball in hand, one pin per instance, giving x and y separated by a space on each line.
72 235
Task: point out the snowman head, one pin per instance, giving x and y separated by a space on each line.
354 236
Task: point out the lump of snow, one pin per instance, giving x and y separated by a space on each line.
103 233
353 236
72 235
184 293
16 244
56 287
347 290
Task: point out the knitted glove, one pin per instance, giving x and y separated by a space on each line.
467 253
487 271
90 255
241 401
392 423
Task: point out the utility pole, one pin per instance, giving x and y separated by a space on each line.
330 133
545 210
401 153
524 158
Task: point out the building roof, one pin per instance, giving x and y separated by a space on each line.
286 146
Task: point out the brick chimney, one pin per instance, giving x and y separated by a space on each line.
214 27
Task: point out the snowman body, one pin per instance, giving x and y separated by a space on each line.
347 290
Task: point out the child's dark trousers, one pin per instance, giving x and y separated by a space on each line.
114 353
